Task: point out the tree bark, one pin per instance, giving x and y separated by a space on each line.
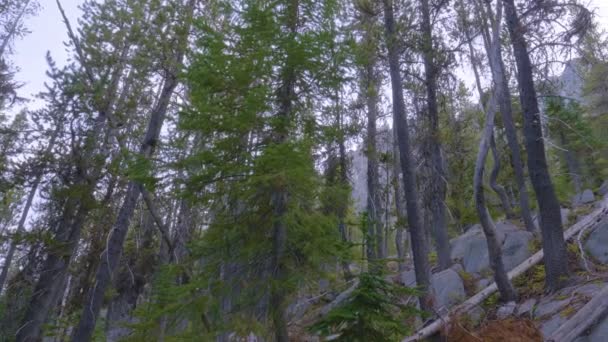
591 220
374 239
583 319
573 165
400 238
279 197
507 292
438 177
556 261
13 28
417 234
499 189
8 259
110 257
494 52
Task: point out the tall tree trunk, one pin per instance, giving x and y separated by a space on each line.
54 270
8 259
400 238
343 182
573 166
417 234
374 211
110 257
499 189
438 177
505 287
13 28
279 198
499 76
555 258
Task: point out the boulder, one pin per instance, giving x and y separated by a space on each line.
597 243
506 310
603 190
525 309
471 248
516 248
583 198
448 288
408 278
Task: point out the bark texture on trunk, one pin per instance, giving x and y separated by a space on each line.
507 291
504 99
499 189
111 255
556 262
280 196
39 172
574 169
417 234
374 239
400 238
438 176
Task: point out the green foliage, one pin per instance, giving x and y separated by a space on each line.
374 312
580 148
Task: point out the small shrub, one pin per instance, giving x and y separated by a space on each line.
375 312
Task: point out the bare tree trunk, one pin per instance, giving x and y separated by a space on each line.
573 166
400 238
8 259
499 189
418 239
494 52
374 210
438 177
54 270
344 182
13 28
556 261
111 256
505 287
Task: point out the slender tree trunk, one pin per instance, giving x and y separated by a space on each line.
8 259
556 261
438 177
499 189
400 238
573 166
279 198
54 270
499 76
111 256
417 234
13 28
344 182
505 287
374 210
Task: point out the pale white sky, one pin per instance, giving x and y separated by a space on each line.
48 34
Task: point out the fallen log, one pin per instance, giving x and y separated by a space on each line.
588 221
583 319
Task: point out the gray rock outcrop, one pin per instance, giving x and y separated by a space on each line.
597 243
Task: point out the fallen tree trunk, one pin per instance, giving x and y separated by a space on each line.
588 221
583 319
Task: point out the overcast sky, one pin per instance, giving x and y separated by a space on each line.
48 34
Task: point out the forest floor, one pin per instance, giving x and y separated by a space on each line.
534 317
